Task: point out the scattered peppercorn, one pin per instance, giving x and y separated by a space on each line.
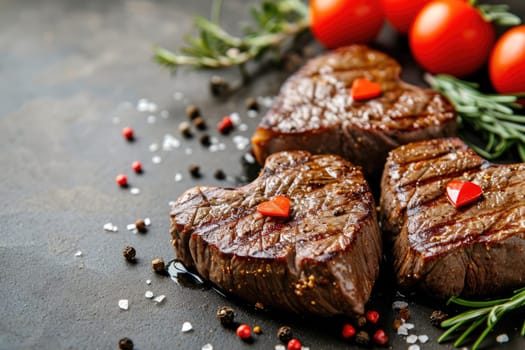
397 323
219 174
199 123
192 112
285 334
226 315
437 317
141 226
158 264
404 313
125 344
127 132
362 338
361 321
225 125
348 331
372 316
194 170
137 166
294 344
244 332
121 180
185 129
380 337
129 253
205 140
257 330
218 86
251 104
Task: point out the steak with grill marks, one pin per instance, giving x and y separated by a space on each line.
478 249
315 112
323 259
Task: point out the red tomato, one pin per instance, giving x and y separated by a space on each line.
450 36
401 13
337 23
507 62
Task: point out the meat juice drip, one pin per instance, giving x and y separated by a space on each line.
180 275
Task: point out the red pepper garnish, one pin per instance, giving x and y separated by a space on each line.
461 193
225 125
380 337
277 206
364 89
372 316
348 331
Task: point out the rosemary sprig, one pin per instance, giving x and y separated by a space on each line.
275 21
490 114
483 312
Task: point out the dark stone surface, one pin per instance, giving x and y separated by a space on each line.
67 69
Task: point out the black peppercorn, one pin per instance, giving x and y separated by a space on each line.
141 226
226 315
129 253
362 338
157 265
125 344
185 129
192 112
404 313
219 174
199 123
205 140
361 321
284 333
437 317
251 104
218 86
194 170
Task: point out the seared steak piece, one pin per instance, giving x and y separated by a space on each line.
315 112
322 260
477 249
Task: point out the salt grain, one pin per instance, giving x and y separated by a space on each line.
134 191
123 304
159 299
186 327
148 294
151 119
156 159
207 347
177 96
411 339
243 127
148 282
131 227
178 177
248 158
152 107
188 151
402 330
147 221
110 227
280 347
154 147
164 114
408 325
396 305
235 118
423 338
414 347
502 338
116 120
170 142
78 254
142 105
252 114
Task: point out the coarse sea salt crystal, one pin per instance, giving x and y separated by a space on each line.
408 325
78 254
207 347
148 294
154 147
186 327
243 127
131 227
110 227
178 177
159 299
164 114
134 190
399 304
411 339
147 221
502 338
188 151
414 347
148 282
423 338
156 159
252 114
402 330
123 304
152 107
151 119
280 347
142 105
170 142
248 158
235 118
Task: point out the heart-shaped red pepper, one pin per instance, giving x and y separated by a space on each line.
461 193
277 206
364 89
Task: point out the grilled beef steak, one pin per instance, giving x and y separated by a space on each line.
473 250
323 259
315 112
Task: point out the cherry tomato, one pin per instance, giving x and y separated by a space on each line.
507 62
451 36
401 13
337 23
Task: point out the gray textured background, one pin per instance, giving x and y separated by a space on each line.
67 69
